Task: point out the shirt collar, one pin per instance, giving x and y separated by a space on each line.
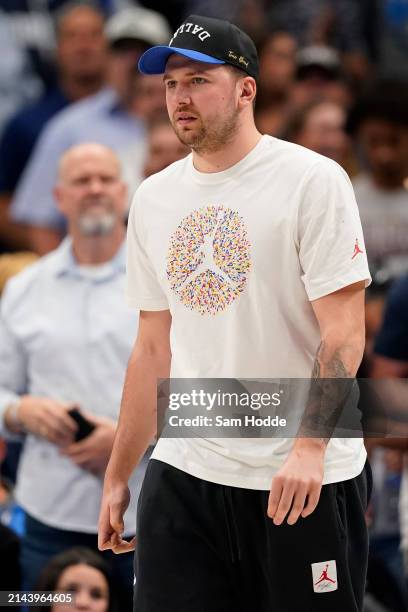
65 263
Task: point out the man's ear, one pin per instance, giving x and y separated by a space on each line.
248 91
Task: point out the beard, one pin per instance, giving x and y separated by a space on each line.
208 136
99 223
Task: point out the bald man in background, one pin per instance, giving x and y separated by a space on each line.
65 339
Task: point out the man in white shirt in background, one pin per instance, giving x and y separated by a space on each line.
65 339
243 260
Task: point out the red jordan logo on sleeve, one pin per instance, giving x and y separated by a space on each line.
324 576
357 249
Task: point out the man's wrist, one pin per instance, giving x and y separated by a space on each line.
112 485
318 445
12 419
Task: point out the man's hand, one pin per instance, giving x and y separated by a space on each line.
47 419
298 482
93 452
115 500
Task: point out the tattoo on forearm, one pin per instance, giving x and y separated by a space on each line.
331 386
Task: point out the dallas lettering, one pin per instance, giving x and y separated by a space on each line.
196 31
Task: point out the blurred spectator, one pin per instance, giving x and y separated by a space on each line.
65 338
130 32
27 46
320 126
228 9
336 23
82 572
386 28
248 14
147 98
81 60
319 75
391 345
163 148
391 361
385 564
379 123
108 117
277 61
19 83
148 104
277 66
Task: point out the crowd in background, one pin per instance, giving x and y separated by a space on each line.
333 78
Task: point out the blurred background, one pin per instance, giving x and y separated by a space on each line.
333 78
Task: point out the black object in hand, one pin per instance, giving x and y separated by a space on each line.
85 427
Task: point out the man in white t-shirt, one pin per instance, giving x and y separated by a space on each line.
247 261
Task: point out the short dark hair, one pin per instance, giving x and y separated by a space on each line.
239 74
386 100
51 573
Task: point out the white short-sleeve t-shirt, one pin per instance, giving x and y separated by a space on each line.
237 256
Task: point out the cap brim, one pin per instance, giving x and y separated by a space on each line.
153 61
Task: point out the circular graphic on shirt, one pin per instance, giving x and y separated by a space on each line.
209 259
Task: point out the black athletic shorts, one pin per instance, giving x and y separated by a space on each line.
205 547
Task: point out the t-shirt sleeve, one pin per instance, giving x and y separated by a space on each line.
392 339
329 235
143 290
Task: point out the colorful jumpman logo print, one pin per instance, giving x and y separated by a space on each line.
324 577
207 262
357 249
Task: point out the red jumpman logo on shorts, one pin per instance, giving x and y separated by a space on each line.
357 249
324 577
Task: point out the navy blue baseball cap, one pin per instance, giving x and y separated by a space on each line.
205 39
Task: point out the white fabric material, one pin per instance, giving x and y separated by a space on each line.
237 256
96 272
